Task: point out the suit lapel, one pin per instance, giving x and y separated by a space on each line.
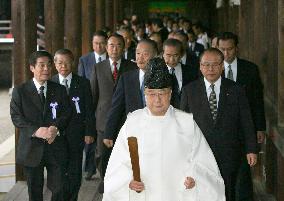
34 95
107 71
204 101
136 87
74 85
241 73
222 99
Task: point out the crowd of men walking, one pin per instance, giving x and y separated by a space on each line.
62 116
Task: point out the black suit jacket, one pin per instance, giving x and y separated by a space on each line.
103 86
27 114
81 124
248 77
197 50
126 98
131 52
233 121
188 75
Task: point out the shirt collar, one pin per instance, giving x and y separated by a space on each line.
234 63
37 85
217 84
103 56
183 59
68 78
177 67
118 62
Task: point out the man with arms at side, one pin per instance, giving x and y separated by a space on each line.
182 75
246 74
220 108
129 50
176 162
40 109
129 93
103 82
81 128
85 69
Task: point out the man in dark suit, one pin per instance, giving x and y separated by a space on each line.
194 47
87 62
246 74
81 129
129 93
158 27
85 69
103 83
130 45
221 110
182 75
40 109
187 58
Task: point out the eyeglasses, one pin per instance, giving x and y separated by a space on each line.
159 94
213 65
63 64
42 65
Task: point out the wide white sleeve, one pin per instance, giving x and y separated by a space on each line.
119 173
203 168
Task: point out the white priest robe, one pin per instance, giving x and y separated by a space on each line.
170 148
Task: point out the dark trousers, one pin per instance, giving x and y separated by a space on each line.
244 187
74 172
90 162
55 177
230 180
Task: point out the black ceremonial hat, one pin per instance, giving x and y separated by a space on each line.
157 75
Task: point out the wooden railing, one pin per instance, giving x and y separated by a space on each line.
6 38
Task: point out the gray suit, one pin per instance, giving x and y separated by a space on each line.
103 86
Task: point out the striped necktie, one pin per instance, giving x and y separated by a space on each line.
213 103
230 73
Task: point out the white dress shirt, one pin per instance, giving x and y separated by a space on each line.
117 65
97 56
68 78
141 77
38 85
234 67
178 73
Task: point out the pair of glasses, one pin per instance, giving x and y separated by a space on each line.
213 65
160 94
43 65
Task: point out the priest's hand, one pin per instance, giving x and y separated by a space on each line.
252 159
136 186
89 139
108 143
189 183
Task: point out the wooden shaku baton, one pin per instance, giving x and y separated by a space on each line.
133 150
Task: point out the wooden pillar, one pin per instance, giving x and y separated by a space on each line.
100 14
109 13
73 29
121 9
280 63
116 17
24 32
88 24
54 25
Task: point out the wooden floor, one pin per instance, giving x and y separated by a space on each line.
88 192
